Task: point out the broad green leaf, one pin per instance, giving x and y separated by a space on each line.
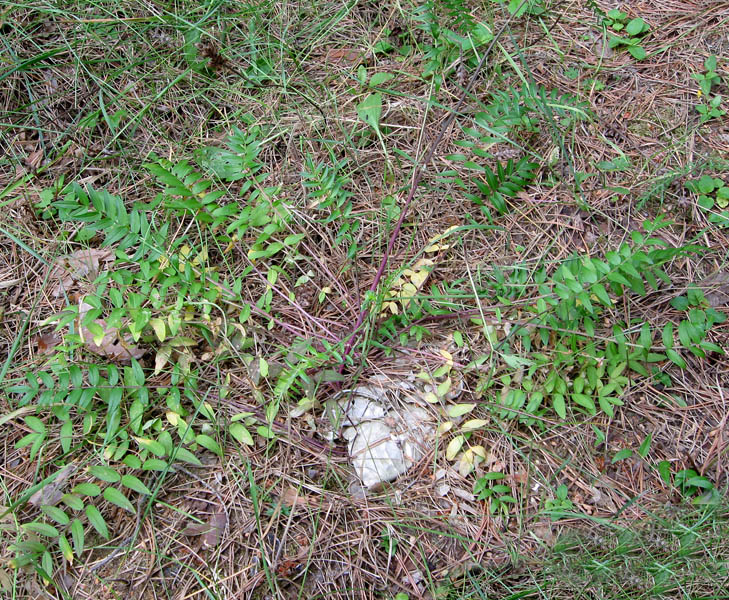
684 333
515 361
97 521
706 184
622 455
263 367
185 455
370 110
105 473
637 52
458 410
209 443
606 406
154 464
636 27
152 445
132 461
601 294
72 501
645 446
35 424
41 529
444 387
700 482
559 405
599 436
87 489
65 548
265 432
57 514
379 78
676 358
646 338
294 239
585 401
668 335
115 496
241 434
133 483
66 436
77 536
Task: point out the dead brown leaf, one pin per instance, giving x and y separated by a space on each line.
716 288
51 493
34 159
47 342
112 345
211 531
80 264
345 56
217 524
291 497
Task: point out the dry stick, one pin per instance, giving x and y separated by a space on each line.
413 187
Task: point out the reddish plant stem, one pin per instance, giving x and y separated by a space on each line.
417 175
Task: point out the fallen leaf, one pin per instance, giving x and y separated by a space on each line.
716 288
34 159
454 446
47 342
458 410
349 56
474 424
6 581
111 345
52 493
434 244
466 464
217 524
291 497
76 266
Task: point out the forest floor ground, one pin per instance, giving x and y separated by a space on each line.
220 222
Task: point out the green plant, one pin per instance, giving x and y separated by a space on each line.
455 37
709 77
615 19
560 506
713 198
692 486
327 194
487 489
159 292
710 109
517 8
512 111
694 329
388 541
636 30
562 361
